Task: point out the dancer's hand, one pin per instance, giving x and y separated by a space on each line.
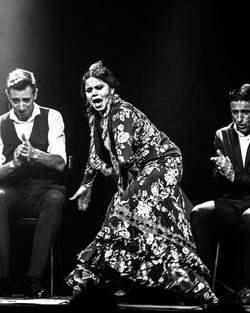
83 196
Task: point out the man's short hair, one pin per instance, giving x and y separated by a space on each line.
20 79
241 93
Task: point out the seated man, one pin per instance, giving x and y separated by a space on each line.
228 212
32 157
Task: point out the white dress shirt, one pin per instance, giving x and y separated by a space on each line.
56 136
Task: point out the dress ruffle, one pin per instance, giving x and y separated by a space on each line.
146 239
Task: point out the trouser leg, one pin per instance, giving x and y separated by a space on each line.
245 251
201 221
4 236
50 207
12 203
211 224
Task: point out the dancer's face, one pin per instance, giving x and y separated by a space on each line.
98 93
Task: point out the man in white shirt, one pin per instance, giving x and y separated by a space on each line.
32 158
229 214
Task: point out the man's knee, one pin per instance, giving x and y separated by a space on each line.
3 202
55 197
245 220
2 195
201 212
53 203
197 211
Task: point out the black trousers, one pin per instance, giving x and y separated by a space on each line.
33 198
228 221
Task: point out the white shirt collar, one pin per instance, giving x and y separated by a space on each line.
36 111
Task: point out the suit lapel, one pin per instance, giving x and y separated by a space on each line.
247 156
236 148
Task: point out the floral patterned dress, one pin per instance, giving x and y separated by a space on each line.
145 237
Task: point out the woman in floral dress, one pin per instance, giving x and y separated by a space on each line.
145 238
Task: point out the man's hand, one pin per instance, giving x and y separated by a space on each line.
224 165
27 151
24 152
17 159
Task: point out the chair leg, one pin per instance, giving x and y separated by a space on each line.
215 271
215 264
52 271
55 252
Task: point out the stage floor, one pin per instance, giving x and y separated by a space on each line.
66 304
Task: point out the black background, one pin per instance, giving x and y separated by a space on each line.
176 61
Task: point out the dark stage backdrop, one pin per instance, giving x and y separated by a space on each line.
176 61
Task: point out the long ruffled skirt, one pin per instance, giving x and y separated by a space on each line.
146 238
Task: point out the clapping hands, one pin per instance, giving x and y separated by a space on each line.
24 152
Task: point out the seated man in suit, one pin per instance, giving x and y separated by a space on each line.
32 157
225 214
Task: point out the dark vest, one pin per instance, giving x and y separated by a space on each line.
38 139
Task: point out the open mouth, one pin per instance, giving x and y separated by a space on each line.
97 100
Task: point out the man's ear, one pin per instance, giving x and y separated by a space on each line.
35 94
7 94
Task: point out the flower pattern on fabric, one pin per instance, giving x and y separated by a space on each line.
145 237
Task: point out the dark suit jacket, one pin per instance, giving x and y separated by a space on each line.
226 139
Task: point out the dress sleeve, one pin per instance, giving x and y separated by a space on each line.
123 121
89 174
